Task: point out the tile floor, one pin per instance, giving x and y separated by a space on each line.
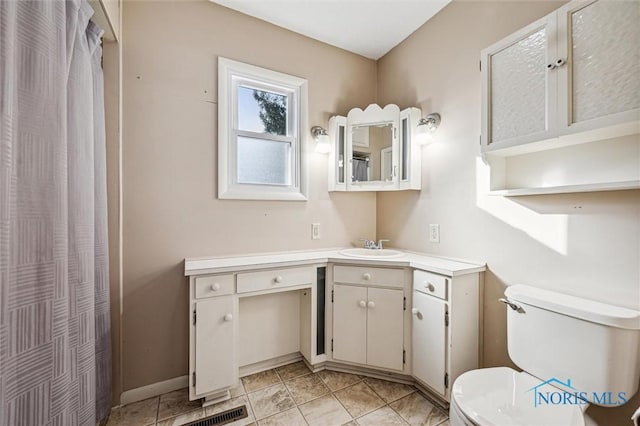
291 395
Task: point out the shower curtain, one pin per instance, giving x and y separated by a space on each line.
55 354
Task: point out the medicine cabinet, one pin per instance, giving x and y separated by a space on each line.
375 149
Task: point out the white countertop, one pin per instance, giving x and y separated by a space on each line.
439 265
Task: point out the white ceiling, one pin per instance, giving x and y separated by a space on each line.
367 27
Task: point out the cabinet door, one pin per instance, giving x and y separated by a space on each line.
429 340
600 73
350 323
385 319
518 90
215 353
337 162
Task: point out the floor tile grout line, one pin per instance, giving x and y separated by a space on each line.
343 407
381 397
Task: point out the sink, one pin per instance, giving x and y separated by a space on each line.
371 253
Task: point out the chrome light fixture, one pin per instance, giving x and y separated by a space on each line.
430 122
427 127
322 139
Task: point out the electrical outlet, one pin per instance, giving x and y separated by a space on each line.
315 231
434 233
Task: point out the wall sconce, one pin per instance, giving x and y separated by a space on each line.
427 127
322 139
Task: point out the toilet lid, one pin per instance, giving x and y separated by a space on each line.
502 396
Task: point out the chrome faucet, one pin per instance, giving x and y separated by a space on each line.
371 244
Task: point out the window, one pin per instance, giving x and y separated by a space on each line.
261 117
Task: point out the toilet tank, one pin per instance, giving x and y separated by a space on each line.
590 346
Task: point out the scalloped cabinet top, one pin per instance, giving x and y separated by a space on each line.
374 114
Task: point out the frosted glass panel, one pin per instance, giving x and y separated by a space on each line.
606 59
264 162
518 88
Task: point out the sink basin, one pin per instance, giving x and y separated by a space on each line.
371 254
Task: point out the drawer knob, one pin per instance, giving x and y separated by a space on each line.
278 279
362 304
228 317
430 287
366 276
215 287
415 311
371 304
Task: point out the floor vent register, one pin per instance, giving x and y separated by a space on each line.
222 418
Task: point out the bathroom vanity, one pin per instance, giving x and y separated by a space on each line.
412 318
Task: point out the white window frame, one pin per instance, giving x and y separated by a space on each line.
231 74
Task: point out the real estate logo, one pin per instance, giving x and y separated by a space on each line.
575 397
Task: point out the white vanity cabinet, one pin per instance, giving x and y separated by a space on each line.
444 328
248 320
252 313
369 316
375 149
213 354
562 94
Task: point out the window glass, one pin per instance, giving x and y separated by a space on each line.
263 162
262 111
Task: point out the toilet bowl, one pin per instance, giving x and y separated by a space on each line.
573 352
503 396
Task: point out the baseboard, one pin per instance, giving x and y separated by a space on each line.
369 372
437 399
154 389
258 367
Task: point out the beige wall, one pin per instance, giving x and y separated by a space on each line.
170 52
583 244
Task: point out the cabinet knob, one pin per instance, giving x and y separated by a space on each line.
429 286
560 62
362 303
228 317
371 304
215 287
366 276
278 279
551 66
415 311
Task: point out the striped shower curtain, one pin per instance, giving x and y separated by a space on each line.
55 354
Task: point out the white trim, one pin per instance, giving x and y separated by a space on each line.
297 88
154 389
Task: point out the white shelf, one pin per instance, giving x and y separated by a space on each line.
566 189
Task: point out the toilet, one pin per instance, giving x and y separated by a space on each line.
573 352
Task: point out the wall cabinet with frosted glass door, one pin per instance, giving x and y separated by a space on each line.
375 150
555 86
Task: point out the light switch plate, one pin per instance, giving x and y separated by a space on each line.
434 233
315 231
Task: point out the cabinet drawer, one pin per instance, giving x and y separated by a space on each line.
429 283
214 285
368 276
275 278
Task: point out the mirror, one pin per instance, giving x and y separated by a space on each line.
372 153
372 147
